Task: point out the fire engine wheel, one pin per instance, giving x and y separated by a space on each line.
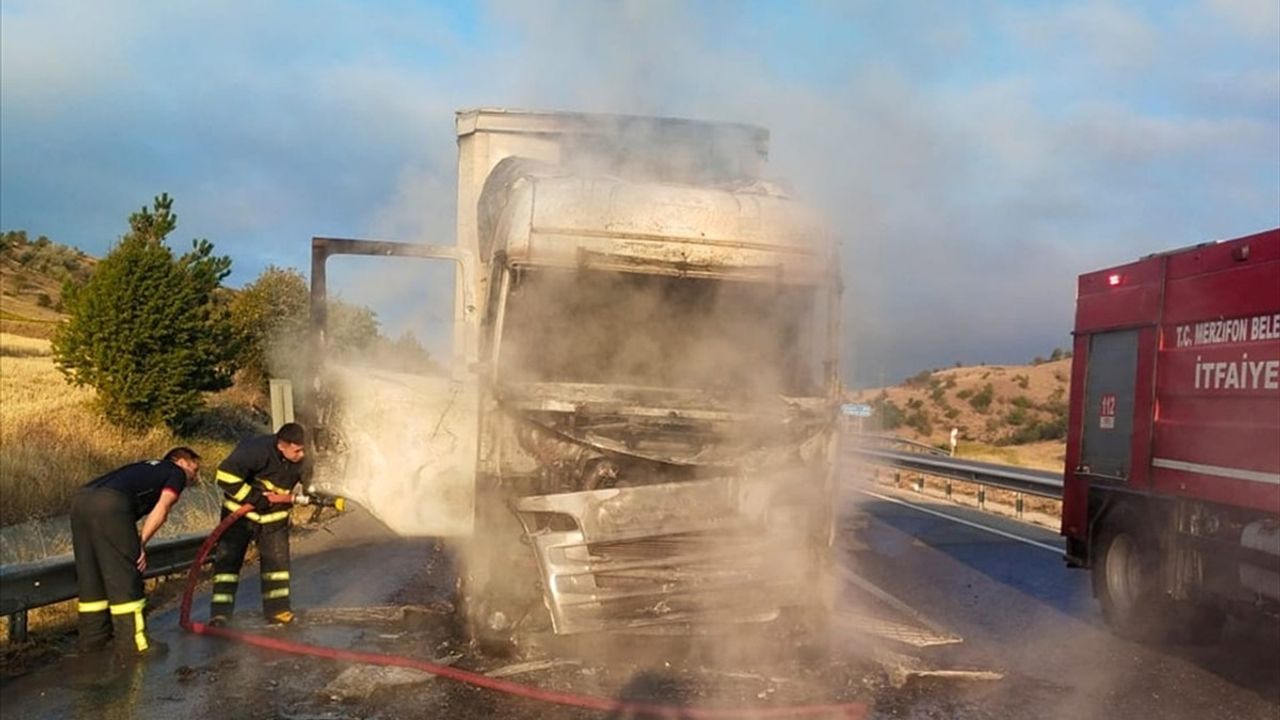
1126 580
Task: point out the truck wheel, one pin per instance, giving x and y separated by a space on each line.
1126 579
489 629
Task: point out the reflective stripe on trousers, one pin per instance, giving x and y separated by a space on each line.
134 608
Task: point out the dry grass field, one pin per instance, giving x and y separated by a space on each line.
52 440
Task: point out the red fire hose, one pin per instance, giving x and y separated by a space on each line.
850 711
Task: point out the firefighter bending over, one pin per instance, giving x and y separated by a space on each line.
259 465
110 554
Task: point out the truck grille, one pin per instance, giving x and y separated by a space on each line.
735 569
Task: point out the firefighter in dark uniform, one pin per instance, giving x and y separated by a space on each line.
110 554
258 466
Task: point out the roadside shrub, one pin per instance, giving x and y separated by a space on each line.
919 379
918 419
886 414
981 400
1017 416
1035 432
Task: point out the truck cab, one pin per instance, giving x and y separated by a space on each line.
637 432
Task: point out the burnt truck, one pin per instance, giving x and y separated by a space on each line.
1172 479
637 430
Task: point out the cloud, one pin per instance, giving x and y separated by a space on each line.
1256 18
973 159
1097 37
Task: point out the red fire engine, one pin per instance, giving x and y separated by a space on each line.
1172 478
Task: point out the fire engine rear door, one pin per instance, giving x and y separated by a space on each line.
1108 416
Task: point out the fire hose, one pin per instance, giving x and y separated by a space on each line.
624 708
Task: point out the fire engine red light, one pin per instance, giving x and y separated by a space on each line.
1114 280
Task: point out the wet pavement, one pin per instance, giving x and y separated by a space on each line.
1033 644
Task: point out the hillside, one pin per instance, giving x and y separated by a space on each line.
1006 413
31 277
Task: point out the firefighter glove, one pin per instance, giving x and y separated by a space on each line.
260 503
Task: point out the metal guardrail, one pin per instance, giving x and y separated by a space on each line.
889 442
32 585
1040 483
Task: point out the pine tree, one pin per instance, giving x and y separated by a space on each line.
149 331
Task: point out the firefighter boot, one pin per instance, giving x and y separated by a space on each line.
280 619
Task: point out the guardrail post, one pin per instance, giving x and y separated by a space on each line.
281 402
982 497
1017 504
897 479
919 483
948 488
18 627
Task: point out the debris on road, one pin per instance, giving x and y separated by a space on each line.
410 614
531 666
358 682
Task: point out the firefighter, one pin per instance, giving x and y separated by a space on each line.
111 556
258 466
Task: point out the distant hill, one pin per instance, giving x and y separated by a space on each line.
31 276
1021 410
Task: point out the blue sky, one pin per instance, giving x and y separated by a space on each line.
973 157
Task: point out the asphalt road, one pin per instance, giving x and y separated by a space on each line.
1024 613
1020 612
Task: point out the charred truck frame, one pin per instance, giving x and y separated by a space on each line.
638 432
1172 485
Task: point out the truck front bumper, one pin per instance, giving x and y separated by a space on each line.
677 557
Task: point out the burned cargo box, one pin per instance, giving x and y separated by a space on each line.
637 431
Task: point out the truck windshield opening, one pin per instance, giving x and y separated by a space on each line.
595 326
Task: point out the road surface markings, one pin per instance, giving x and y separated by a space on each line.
962 521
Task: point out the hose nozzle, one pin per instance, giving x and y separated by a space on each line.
320 499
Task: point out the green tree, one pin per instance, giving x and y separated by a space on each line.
148 330
270 317
353 329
